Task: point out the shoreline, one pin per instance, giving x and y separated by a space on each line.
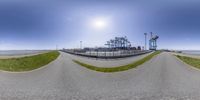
22 55
188 55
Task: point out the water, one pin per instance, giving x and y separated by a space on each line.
192 52
18 52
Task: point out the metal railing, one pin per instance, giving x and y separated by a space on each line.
107 54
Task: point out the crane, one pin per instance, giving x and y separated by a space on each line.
153 42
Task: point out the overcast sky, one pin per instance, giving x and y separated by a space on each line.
45 24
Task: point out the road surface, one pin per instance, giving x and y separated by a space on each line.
162 78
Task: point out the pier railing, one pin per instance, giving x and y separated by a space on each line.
107 54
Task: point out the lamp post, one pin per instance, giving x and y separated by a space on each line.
56 47
80 44
145 45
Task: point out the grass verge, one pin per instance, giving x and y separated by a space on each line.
189 60
27 63
118 68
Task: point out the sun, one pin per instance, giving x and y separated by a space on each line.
99 23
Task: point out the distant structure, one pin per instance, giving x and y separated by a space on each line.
153 42
119 43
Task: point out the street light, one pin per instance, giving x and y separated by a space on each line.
145 34
80 44
56 47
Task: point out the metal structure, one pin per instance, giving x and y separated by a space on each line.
153 42
119 43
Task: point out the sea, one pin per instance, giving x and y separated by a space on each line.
191 52
19 52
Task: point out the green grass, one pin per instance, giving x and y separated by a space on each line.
118 68
28 63
191 61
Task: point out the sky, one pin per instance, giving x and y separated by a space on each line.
43 24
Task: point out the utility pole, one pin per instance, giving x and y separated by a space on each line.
145 47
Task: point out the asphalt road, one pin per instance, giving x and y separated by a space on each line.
162 78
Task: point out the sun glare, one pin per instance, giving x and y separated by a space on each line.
99 23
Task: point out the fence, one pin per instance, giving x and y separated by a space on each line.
107 54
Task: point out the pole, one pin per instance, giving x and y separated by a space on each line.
56 47
145 34
80 44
